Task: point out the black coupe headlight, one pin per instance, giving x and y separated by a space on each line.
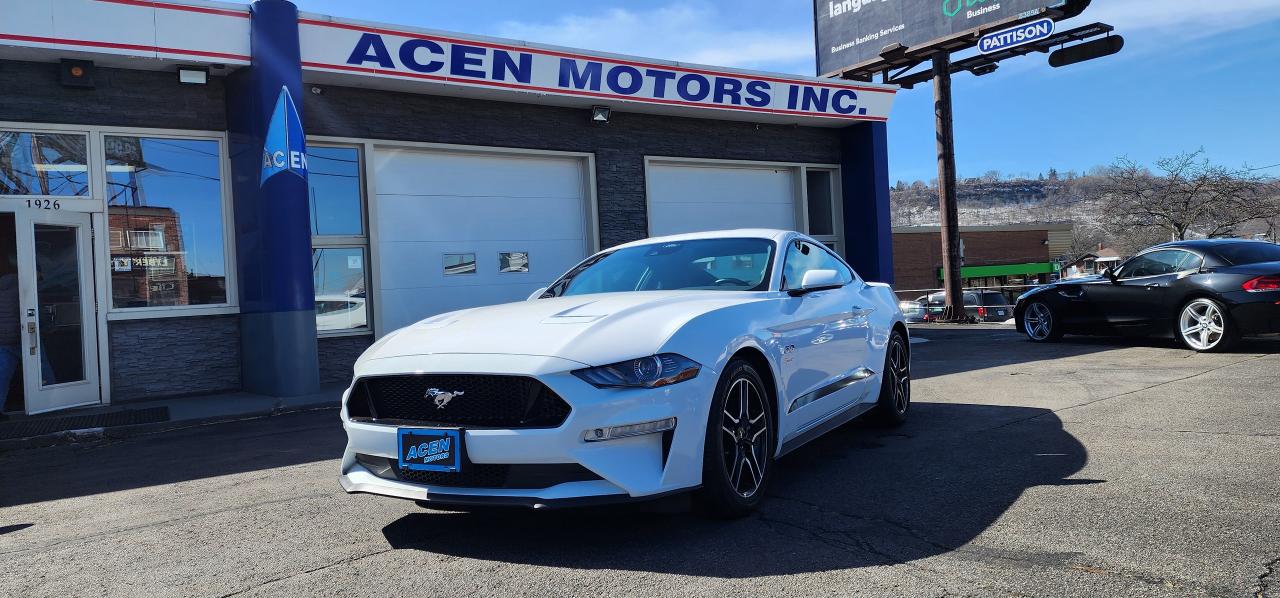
646 372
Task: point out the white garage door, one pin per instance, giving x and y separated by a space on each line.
692 197
460 229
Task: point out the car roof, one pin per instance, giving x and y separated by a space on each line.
772 234
1203 244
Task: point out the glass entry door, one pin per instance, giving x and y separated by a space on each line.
57 314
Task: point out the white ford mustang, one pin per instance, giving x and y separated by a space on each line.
656 367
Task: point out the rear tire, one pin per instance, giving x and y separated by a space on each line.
895 383
737 460
1204 326
1040 324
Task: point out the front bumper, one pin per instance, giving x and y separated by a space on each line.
627 468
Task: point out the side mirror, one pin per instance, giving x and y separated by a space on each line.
1111 275
818 280
536 294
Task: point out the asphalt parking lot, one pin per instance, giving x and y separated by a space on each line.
1094 467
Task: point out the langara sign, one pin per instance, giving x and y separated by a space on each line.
452 60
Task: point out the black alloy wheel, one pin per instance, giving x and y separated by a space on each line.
895 385
738 457
1040 323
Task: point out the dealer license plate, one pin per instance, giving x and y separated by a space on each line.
430 449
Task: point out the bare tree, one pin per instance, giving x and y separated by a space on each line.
1270 208
1187 195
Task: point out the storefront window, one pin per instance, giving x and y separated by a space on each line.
820 208
165 221
340 245
334 176
820 191
340 288
43 164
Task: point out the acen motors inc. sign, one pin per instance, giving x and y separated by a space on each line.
453 60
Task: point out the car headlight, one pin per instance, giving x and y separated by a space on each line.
646 372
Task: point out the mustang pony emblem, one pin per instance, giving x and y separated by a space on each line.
441 397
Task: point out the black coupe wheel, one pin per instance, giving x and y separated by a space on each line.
738 457
895 387
1203 326
1040 323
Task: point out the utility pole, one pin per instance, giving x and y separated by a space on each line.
947 207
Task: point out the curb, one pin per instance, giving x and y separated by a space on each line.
94 435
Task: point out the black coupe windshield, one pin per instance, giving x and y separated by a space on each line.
703 264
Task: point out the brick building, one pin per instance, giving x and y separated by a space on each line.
1020 254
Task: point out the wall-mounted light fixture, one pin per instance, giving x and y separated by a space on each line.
77 73
193 75
600 114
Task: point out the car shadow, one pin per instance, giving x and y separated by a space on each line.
957 349
858 497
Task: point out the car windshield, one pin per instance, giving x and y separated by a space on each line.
1240 254
700 264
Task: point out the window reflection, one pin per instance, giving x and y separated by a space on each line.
165 221
334 180
338 273
459 263
513 261
43 164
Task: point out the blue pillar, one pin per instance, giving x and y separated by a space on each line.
868 225
273 230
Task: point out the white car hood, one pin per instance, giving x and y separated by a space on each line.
589 329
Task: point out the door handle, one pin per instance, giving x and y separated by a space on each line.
858 310
31 332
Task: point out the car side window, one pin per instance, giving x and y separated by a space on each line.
1187 261
803 257
1158 263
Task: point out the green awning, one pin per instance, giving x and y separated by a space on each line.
1006 270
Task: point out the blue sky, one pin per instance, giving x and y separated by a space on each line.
1192 74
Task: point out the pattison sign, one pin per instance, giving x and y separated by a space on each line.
448 59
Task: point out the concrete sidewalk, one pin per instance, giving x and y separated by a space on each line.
146 417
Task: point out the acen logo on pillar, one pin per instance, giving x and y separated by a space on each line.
285 149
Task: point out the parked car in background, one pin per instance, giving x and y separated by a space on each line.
912 311
979 306
1207 293
994 306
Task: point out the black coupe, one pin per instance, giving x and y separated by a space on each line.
1207 293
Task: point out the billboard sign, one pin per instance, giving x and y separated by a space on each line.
1015 36
851 33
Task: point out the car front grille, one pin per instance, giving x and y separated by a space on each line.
478 401
482 475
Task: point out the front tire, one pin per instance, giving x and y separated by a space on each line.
1203 326
737 461
1040 324
895 384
